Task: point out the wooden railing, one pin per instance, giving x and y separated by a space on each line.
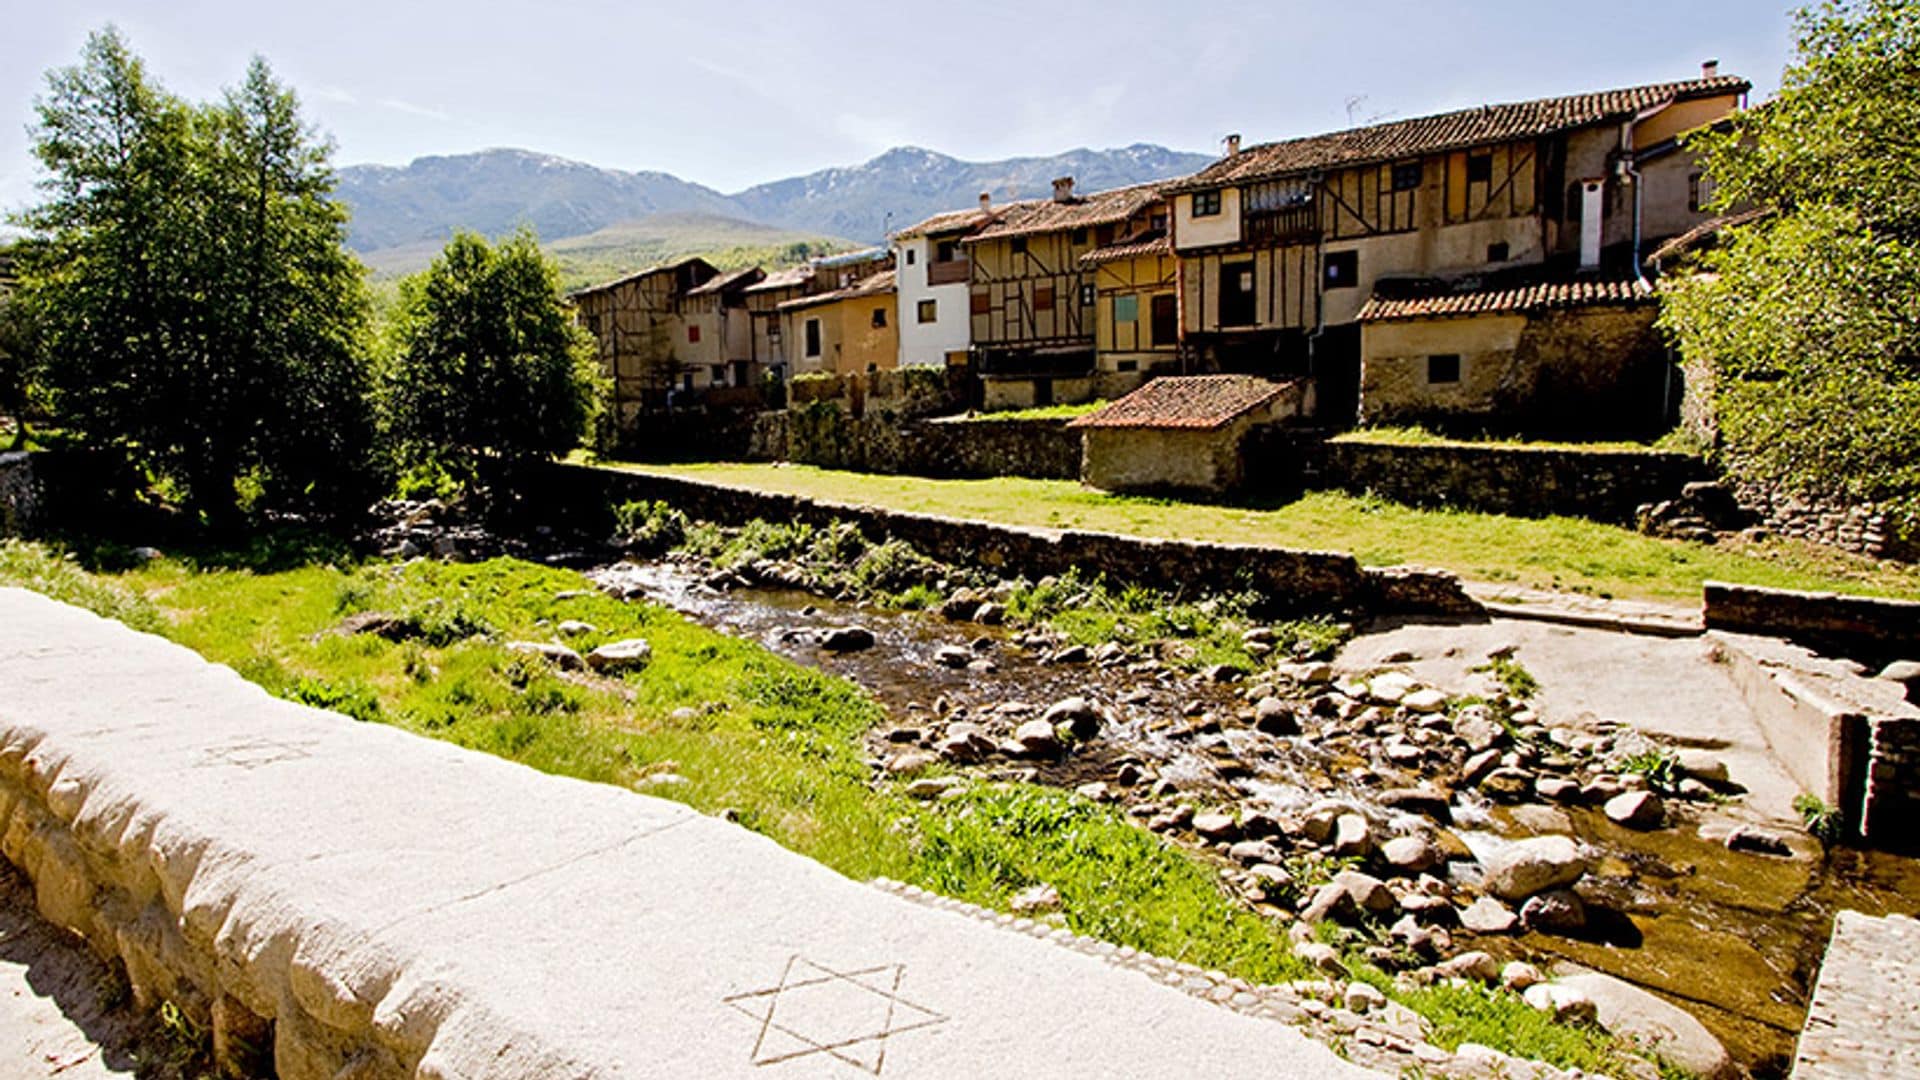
951 272
1293 225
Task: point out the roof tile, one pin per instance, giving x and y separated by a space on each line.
1197 402
1429 301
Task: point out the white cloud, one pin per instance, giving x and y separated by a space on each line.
334 94
411 109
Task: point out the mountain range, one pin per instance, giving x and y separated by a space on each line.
412 208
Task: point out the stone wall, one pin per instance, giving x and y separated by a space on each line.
1891 807
1873 630
1525 481
1863 530
819 434
19 494
1306 581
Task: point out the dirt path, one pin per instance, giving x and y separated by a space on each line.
56 1015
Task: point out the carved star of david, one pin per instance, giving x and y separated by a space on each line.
253 753
846 1015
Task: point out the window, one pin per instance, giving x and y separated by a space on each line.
879 318
1126 365
928 311
718 376
1086 295
1497 252
910 254
1103 235
1444 368
813 337
1079 236
1043 298
1406 176
947 251
1341 270
693 335
1157 222
1237 301
1479 168
1126 309
1166 319
686 381
1699 192
1018 245
1206 203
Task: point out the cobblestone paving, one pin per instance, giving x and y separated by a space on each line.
1865 1015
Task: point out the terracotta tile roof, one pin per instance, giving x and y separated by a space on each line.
1153 243
793 277
1448 131
662 268
726 282
1430 301
951 221
1704 234
1199 402
871 285
1079 212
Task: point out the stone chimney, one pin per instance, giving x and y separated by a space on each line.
1709 68
1233 144
986 201
1063 189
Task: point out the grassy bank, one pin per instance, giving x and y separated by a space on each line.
1548 553
714 722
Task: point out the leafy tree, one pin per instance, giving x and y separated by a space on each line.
1810 316
490 371
195 304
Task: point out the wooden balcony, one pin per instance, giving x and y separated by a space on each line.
951 272
1274 228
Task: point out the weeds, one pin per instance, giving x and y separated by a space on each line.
1823 821
1661 768
1518 682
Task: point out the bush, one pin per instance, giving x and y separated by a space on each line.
649 527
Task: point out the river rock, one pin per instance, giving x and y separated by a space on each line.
1072 654
1507 784
1216 826
1563 1003
1906 673
1272 879
558 655
1390 688
1556 789
1424 701
1320 956
615 657
1556 911
1352 835
1488 916
1360 997
846 639
962 604
1273 717
1254 851
1479 766
1538 818
1427 802
1036 738
575 628
1038 898
1758 841
1478 966
952 656
1518 975
1636 810
1224 673
1476 727
990 613
1077 717
1412 854
1367 891
1533 865
1638 1016
1702 765
965 742
932 787
911 762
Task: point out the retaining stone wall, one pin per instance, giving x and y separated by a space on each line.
1863 530
1310 581
1525 481
1892 803
880 442
19 494
1868 628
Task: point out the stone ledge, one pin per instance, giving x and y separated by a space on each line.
1866 1002
371 904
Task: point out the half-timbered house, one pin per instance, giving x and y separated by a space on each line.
1137 309
643 339
934 271
1281 246
1031 302
847 331
718 332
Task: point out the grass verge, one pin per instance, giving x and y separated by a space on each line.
714 722
1562 553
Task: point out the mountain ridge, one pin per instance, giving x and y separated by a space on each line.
494 191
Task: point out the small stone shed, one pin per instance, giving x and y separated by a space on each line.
1184 432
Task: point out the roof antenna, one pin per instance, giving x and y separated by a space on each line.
1354 102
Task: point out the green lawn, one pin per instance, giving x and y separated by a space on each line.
774 745
1550 553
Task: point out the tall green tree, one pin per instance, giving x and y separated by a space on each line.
1809 318
195 302
490 372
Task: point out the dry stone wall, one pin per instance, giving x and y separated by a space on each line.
880 442
19 494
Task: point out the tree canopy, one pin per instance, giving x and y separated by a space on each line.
1809 317
192 300
490 371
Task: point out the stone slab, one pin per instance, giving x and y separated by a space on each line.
1865 1011
390 899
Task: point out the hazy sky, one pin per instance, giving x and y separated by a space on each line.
732 93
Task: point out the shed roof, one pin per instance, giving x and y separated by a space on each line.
1078 212
872 285
1194 402
727 282
1431 300
1146 244
1449 131
1705 234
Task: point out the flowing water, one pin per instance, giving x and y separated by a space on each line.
1734 938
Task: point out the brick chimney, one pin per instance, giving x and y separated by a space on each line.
986 201
1063 189
1709 68
1233 144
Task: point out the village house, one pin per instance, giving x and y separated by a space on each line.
1032 303
1283 249
1184 433
1136 309
849 331
763 300
646 344
933 273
